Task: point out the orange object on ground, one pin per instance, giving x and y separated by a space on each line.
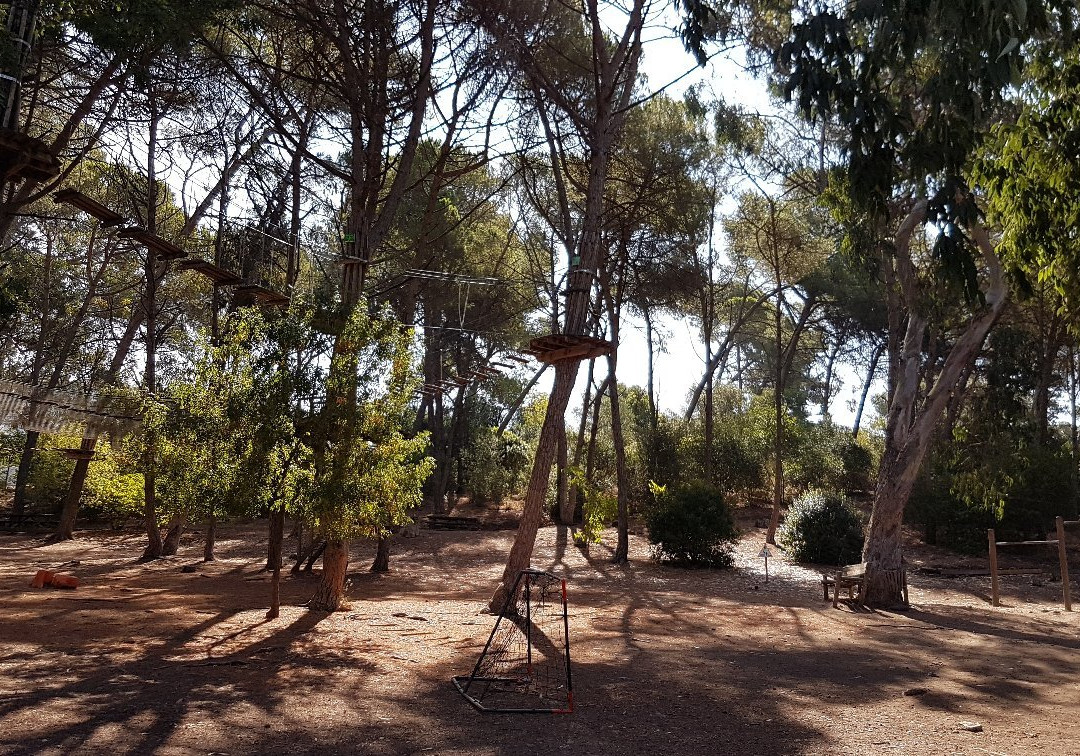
48 578
64 581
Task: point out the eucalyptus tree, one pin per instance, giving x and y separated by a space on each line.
915 94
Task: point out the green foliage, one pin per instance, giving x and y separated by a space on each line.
822 528
691 526
495 465
366 474
598 511
113 491
134 26
973 485
825 456
50 472
997 470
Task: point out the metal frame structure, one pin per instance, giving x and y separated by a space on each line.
465 683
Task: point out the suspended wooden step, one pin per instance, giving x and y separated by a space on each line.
250 294
90 206
76 453
23 156
162 248
215 273
558 347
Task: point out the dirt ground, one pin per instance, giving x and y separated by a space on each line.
144 658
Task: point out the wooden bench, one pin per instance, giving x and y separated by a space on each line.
852 577
449 522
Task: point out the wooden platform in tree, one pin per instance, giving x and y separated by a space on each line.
558 347
215 273
162 248
76 453
250 294
90 206
23 156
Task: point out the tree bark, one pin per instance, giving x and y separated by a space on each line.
277 536
910 427
171 543
26 459
211 539
330 594
566 510
382 555
536 494
275 595
622 549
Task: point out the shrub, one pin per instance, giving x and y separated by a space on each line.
691 526
598 510
495 465
112 492
823 528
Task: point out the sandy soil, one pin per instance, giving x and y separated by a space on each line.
144 658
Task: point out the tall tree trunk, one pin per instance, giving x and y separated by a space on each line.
154 545
778 410
910 426
866 389
65 529
622 549
614 77
574 494
171 544
277 536
650 381
536 494
26 460
330 594
382 555
275 595
566 510
211 539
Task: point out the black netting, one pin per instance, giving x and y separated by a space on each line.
525 665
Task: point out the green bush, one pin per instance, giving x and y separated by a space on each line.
112 492
495 465
822 528
691 526
598 510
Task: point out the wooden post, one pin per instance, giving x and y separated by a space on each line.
994 600
1064 559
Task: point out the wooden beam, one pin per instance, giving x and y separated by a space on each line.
1063 559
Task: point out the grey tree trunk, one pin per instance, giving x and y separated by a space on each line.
911 425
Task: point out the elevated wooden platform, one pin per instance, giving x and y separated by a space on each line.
90 206
559 347
162 248
23 156
250 294
217 274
